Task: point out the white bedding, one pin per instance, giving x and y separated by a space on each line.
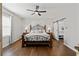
42 34
37 37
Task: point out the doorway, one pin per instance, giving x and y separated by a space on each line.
59 29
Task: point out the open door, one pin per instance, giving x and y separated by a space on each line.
56 30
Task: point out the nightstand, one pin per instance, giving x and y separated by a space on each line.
51 34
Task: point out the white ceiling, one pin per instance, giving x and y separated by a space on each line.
51 8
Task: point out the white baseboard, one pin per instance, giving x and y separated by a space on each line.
70 47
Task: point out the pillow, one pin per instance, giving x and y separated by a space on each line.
39 31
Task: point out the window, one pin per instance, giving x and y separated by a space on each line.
6 29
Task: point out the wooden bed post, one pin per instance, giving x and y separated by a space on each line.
51 43
30 28
23 40
45 28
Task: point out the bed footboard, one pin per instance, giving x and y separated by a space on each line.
26 43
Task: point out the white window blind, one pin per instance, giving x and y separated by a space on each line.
6 30
6 25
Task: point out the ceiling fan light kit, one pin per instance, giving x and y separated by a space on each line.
36 11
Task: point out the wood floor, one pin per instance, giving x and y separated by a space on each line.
58 49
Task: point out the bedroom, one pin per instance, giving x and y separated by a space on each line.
59 17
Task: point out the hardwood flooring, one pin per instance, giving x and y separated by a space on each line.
58 49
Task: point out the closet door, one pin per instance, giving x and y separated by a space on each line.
6 30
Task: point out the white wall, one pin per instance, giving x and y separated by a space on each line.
16 28
77 24
71 27
16 25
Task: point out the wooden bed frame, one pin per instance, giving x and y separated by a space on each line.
37 43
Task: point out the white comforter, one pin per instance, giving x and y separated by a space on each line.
37 37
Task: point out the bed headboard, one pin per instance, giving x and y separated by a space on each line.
38 27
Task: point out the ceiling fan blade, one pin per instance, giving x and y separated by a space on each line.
41 11
37 7
32 13
39 14
29 10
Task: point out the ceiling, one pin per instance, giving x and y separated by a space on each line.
51 8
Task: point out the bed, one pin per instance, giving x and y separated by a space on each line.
37 36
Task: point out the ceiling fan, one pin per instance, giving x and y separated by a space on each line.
36 11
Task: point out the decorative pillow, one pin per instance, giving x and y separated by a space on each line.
40 31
